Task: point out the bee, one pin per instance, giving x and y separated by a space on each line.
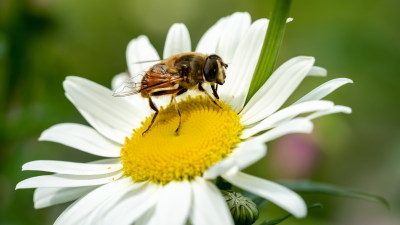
176 75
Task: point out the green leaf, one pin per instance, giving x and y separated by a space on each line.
272 43
279 220
316 187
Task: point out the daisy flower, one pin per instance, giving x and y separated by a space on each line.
163 178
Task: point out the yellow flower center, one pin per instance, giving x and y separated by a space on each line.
208 133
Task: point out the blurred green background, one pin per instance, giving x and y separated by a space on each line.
42 41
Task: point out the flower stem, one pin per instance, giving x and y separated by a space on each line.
270 48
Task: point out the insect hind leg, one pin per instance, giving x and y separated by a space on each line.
153 106
174 92
179 113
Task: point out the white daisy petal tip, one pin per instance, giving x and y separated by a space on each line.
21 185
346 109
118 80
305 125
139 50
333 110
324 89
317 71
132 43
177 41
309 59
276 193
26 166
66 82
42 136
75 79
346 80
45 197
81 137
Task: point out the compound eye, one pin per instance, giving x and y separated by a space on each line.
211 69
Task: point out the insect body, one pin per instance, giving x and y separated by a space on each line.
174 76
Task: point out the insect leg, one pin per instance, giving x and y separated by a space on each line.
181 91
166 92
214 89
209 96
153 106
174 92
179 113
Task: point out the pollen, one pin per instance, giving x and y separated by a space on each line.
208 133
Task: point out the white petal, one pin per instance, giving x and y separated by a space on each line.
134 205
118 80
63 180
249 152
98 214
147 218
174 204
220 168
78 211
112 116
209 207
44 197
72 167
208 42
112 133
280 195
81 137
138 51
232 32
178 40
246 153
324 89
240 72
317 71
285 115
335 109
299 125
271 96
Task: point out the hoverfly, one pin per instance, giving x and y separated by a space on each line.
174 76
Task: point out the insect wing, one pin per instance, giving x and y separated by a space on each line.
148 61
128 87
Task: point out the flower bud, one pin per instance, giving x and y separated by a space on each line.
243 210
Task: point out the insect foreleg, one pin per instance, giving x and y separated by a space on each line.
209 96
214 89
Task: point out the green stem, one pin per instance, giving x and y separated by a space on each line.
270 48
